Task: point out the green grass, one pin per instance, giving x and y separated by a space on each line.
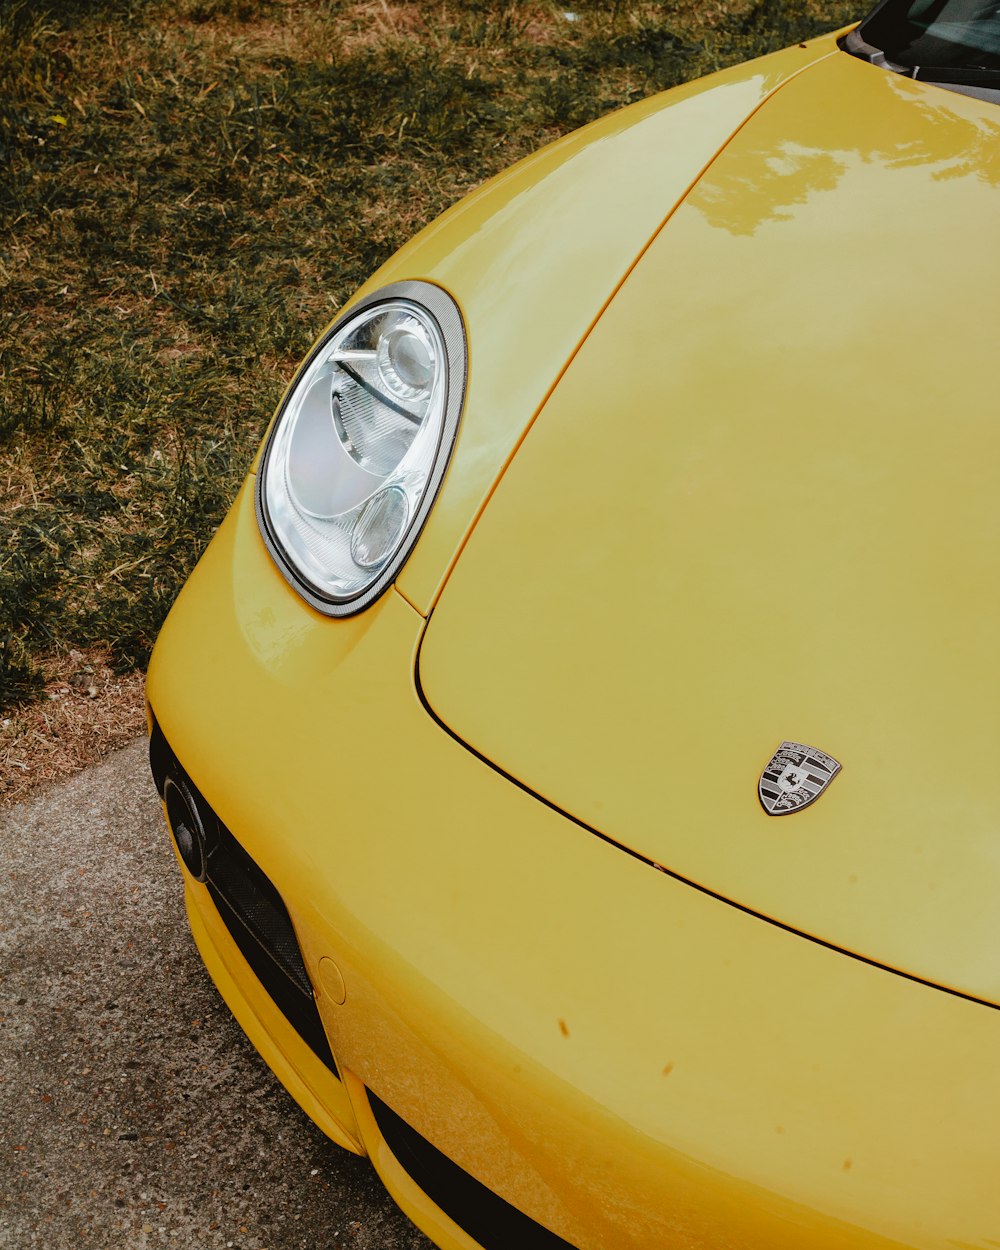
190 189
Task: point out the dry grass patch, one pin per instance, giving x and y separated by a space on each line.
87 710
373 22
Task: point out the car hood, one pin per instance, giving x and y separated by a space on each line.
761 505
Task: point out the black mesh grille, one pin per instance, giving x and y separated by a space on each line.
252 911
235 878
484 1215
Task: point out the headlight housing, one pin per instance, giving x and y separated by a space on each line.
360 446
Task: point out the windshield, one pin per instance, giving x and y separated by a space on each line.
962 35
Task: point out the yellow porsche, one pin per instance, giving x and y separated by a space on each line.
580 740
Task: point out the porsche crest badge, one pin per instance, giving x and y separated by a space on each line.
795 776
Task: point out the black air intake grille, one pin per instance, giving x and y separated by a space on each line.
234 878
484 1215
259 925
252 911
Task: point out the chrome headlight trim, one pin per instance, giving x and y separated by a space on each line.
433 302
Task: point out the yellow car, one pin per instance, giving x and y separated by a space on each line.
580 740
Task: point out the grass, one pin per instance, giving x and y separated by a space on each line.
191 188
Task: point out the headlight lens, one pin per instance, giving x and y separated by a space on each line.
361 444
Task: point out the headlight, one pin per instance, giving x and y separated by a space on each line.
361 444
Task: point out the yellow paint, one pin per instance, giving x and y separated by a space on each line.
414 1202
697 555
332 981
631 1062
469 920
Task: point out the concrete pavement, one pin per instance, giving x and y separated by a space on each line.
133 1111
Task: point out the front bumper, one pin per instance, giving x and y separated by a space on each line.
629 1062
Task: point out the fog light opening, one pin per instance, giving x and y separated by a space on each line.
185 824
